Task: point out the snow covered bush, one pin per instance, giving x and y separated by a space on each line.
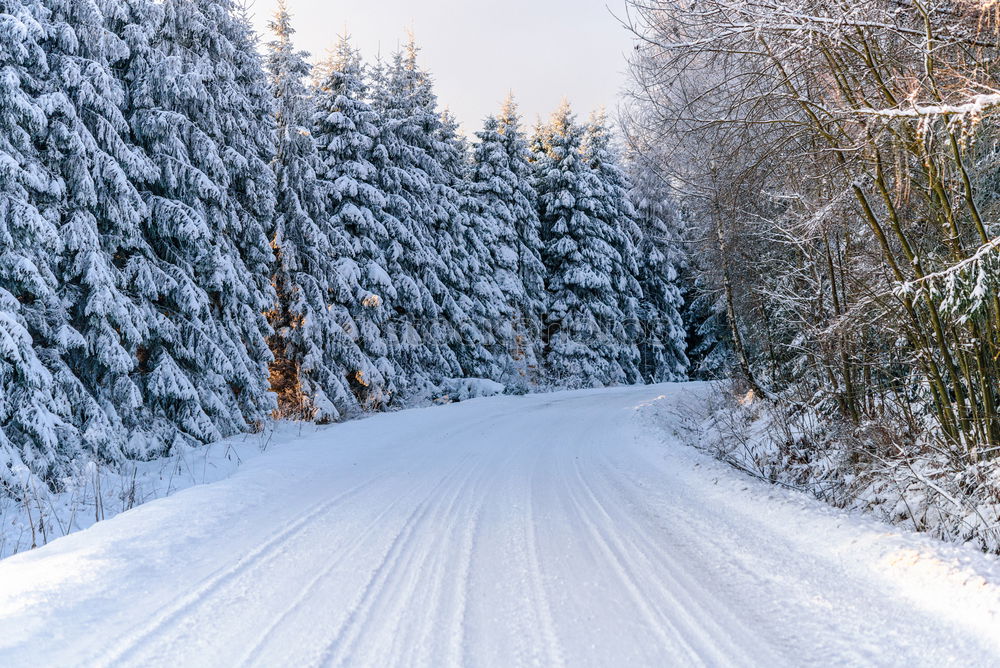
462 389
901 477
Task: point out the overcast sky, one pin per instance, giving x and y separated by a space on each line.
477 50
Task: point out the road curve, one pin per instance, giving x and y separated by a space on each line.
554 530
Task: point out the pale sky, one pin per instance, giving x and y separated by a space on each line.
478 50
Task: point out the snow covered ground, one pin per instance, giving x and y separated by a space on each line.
563 529
94 493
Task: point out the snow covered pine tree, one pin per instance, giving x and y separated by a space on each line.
101 222
663 344
502 179
344 129
200 109
316 356
425 330
582 344
610 190
34 434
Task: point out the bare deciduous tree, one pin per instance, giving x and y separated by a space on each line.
840 159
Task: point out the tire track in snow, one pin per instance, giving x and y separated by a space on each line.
458 655
655 621
433 576
786 638
700 609
254 651
437 510
266 552
449 595
347 635
540 599
458 648
420 580
424 573
698 635
262 553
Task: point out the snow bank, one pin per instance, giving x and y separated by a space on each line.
462 389
92 493
931 492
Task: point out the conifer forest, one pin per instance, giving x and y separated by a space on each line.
201 231
302 366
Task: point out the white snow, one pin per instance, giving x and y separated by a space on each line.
563 529
462 389
974 107
92 493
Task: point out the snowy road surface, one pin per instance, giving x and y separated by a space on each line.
515 531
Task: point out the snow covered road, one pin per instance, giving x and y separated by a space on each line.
546 530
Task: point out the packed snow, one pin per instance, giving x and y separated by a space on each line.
566 529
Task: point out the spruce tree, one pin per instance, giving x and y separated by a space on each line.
613 206
315 356
661 259
345 130
101 216
35 435
502 181
424 331
200 108
485 344
709 347
464 339
246 131
583 348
